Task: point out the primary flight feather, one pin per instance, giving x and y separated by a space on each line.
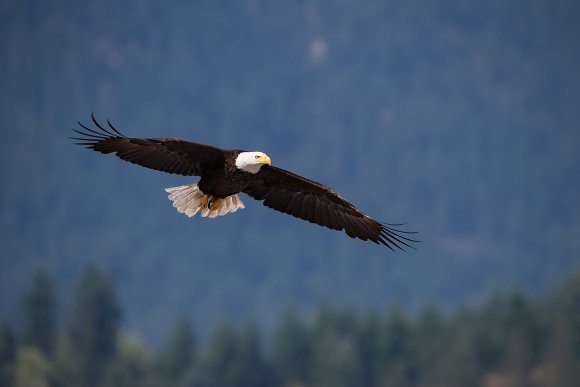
225 173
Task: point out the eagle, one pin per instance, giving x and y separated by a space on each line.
225 173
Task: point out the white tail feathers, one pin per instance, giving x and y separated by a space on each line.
189 200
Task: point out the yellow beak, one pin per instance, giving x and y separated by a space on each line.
265 160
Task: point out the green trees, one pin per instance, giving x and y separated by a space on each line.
560 365
509 340
133 366
32 368
7 354
40 313
291 349
93 327
335 349
396 356
231 358
179 353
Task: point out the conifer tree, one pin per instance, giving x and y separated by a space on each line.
291 349
249 367
395 350
212 369
40 315
133 366
32 368
93 327
179 352
231 359
7 354
335 349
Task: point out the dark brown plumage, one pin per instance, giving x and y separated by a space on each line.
279 189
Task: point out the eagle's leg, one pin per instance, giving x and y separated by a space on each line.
215 203
203 204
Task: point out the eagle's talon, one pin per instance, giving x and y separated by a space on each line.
215 203
204 202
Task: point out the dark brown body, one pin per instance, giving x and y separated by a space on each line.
225 179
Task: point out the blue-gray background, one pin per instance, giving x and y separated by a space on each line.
460 118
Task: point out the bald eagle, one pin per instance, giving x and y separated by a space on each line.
226 173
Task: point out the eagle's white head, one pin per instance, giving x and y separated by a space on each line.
252 161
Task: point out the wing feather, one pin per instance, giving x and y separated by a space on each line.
317 211
311 209
170 155
293 204
306 199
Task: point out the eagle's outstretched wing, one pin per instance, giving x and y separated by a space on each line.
295 195
170 155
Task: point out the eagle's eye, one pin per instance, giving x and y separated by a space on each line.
257 157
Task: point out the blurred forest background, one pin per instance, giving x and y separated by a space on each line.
508 341
459 118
